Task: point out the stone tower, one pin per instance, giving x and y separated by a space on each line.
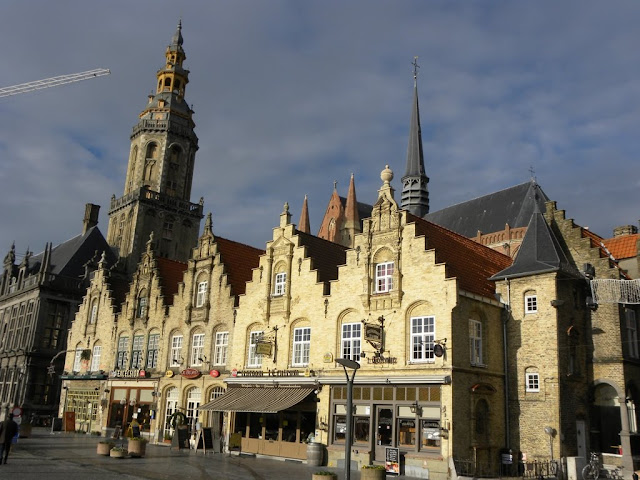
160 172
415 195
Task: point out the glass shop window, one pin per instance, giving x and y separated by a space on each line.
430 434
289 424
255 425
339 428
406 432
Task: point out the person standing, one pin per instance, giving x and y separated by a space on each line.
8 430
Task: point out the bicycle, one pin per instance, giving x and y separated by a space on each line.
594 470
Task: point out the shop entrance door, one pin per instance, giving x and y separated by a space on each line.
384 430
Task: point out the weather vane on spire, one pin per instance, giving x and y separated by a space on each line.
415 68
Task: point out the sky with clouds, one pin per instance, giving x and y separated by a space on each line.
291 95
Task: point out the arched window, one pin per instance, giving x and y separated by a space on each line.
141 306
197 349
95 357
176 350
216 392
122 355
77 359
253 359
384 269
152 350
93 312
482 421
170 408
280 280
193 402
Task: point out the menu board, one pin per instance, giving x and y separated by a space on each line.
392 461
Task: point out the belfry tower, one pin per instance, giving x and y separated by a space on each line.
415 195
160 172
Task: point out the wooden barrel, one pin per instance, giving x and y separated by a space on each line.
315 453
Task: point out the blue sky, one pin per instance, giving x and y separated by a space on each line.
292 95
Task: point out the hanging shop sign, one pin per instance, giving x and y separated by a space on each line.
169 374
264 348
214 373
131 373
190 373
327 357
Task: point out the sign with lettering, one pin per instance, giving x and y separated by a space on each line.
131 373
264 348
214 373
372 333
190 373
267 373
169 374
381 359
392 461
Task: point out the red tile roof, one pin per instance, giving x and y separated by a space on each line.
470 262
239 261
171 274
625 246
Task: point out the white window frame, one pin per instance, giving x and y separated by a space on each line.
221 348
254 360
95 358
280 284
122 356
423 337
176 350
475 343
141 308
197 349
532 380
153 345
351 341
216 392
77 360
384 277
201 296
301 346
136 351
531 303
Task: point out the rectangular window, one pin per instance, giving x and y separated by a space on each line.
632 333
167 231
301 346
530 304
197 349
201 297
152 350
423 335
222 343
136 354
351 341
122 359
475 342
533 382
255 360
94 312
176 351
384 277
142 307
280 284
77 360
95 358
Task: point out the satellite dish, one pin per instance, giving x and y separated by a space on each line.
438 350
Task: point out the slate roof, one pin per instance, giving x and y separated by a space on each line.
540 252
470 262
364 209
325 256
239 261
490 213
622 247
68 258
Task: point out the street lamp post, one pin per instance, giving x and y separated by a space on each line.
347 363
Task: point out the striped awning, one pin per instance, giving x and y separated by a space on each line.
258 399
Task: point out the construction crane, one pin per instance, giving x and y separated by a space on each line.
52 82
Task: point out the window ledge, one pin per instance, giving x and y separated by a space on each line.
479 365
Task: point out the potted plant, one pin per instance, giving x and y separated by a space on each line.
373 472
167 437
104 447
118 452
324 475
137 446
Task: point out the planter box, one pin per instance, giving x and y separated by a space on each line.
104 448
137 448
117 453
333 476
372 474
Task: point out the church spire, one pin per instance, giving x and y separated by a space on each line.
415 196
304 225
351 224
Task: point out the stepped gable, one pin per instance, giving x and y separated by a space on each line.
490 213
118 286
471 263
239 261
171 273
325 256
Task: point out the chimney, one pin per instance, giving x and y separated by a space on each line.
625 230
90 220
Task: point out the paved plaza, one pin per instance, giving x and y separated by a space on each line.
62 456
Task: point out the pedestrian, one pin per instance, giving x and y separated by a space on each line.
8 430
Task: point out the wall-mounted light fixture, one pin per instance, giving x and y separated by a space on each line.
415 408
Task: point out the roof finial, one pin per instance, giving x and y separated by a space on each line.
335 184
533 173
415 69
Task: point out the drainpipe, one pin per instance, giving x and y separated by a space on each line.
506 313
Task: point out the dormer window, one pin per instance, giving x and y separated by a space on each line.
384 277
280 284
